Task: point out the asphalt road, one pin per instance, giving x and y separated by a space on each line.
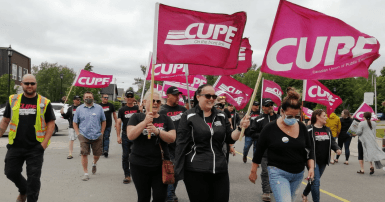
61 178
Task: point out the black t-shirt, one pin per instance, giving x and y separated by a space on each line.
146 152
125 114
209 121
322 143
69 115
108 109
235 119
227 112
26 135
175 113
285 152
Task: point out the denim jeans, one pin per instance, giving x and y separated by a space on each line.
314 187
106 139
345 143
126 146
284 184
14 161
248 142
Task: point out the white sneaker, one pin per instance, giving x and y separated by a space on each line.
383 168
85 177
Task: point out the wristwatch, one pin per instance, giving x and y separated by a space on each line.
239 129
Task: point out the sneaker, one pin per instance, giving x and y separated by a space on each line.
244 159
105 154
266 197
127 180
21 198
85 177
93 168
70 157
383 168
175 198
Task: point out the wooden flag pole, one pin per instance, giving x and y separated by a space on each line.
68 95
251 101
152 93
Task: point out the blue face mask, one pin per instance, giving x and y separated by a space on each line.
290 122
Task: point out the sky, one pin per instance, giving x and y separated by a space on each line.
116 36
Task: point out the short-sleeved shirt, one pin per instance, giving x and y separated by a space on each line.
108 109
146 152
175 113
125 114
89 120
322 142
26 134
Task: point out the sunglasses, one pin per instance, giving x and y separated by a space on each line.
268 105
209 96
222 97
157 101
29 83
105 97
129 96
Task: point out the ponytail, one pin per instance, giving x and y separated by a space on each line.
368 117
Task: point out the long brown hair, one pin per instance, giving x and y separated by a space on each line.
368 116
346 113
291 100
316 113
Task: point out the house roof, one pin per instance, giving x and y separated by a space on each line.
109 90
15 51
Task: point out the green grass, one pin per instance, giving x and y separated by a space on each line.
380 133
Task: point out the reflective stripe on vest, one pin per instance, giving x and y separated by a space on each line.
40 124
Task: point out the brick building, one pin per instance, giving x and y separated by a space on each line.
21 64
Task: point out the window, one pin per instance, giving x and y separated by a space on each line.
14 72
25 71
20 73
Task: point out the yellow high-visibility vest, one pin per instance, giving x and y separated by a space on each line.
40 125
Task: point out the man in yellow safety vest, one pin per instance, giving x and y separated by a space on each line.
32 122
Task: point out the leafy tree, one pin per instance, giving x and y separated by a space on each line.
49 82
4 88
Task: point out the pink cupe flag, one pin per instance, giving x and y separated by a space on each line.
308 112
306 44
359 114
182 87
318 93
169 72
244 63
191 37
92 80
237 93
273 91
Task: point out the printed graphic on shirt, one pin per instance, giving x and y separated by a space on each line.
253 116
157 125
217 123
175 116
321 136
209 123
106 108
27 109
129 113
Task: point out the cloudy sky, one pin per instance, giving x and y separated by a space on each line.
116 36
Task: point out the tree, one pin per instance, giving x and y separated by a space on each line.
49 82
4 88
81 90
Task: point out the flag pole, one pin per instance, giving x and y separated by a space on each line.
76 78
251 101
152 92
145 77
188 90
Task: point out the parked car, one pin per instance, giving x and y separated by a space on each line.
60 123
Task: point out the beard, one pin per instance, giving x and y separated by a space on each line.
29 91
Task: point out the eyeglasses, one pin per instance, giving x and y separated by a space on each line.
157 101
129 96
268 105
29 83
105 97
296 117
209 96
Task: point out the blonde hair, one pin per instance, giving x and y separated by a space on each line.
148 95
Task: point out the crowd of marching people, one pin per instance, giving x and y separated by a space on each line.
164 142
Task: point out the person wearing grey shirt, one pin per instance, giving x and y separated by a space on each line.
89 124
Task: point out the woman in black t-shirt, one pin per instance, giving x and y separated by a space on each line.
145 157
289 149
323 141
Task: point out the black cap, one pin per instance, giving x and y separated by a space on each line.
76 97
256 103
173 90
129 92
266 101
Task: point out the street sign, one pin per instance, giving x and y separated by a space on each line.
368 98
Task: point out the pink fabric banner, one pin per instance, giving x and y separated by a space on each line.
158 87
237 93
359 114
273 91
198 80
192 37
244 63
92 80
308 112
318 93
169 72
306 44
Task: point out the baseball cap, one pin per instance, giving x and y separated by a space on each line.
256 103
128 92
76 97
266 101
173 90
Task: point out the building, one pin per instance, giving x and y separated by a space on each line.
21 64
110 92
120 95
